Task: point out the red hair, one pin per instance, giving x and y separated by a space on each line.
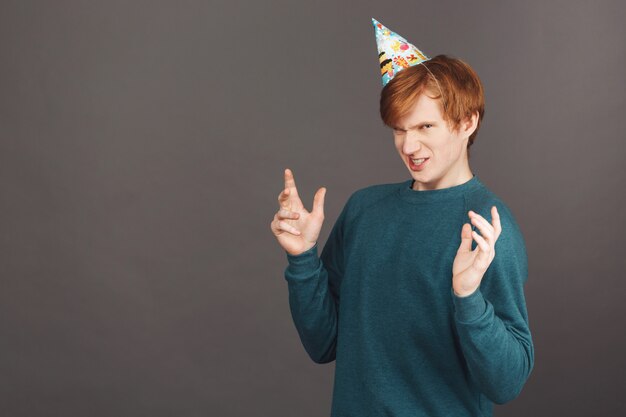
462 91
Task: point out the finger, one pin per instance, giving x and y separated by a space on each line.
287 214
482 243
497 226
283 198
483 248
485 228
282 225
466 238
479 218
290 182
318 201
274 225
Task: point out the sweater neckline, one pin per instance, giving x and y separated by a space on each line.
406 193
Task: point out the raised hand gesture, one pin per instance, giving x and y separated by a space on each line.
470 265
295 228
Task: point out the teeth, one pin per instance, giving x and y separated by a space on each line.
418 161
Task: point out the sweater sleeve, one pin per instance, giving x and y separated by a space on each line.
313 285
492 322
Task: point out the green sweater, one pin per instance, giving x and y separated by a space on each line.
379 301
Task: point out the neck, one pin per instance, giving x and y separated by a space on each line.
455 176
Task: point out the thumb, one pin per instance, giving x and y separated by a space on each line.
318 201
466 238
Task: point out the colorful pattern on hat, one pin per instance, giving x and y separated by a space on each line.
394 52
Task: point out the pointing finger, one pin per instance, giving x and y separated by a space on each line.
290 182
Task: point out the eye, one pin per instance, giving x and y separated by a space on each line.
427 124
398 131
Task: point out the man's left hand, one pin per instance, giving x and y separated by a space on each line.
469 265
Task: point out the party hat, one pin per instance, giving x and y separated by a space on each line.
394 52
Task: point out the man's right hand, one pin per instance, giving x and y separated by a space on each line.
295 228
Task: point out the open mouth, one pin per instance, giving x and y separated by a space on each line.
417 164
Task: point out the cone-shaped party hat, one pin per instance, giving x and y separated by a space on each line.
394 52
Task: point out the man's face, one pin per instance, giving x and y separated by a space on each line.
424 134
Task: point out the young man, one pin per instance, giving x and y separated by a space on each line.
423 311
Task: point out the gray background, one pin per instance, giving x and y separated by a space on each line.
143 145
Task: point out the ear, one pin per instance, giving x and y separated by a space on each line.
469 124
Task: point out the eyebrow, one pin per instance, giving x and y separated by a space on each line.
417 125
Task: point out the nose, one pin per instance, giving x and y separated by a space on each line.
412 144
